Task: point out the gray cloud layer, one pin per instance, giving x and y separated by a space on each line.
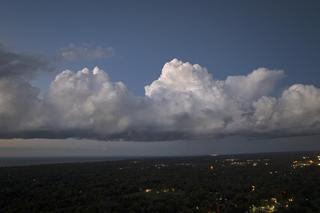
186 102
85 52
18 64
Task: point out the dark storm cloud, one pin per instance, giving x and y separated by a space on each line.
20 64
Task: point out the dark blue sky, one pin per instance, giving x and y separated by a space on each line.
227 37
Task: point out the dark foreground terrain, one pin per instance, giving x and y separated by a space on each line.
284 182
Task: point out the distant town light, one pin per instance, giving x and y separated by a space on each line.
148 190
274 200
165 190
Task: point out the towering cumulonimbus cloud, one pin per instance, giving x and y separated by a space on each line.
186 102
88 100
296 111
193 102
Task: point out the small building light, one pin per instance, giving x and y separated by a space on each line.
147 190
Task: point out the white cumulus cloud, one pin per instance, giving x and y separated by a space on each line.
185 102
89 100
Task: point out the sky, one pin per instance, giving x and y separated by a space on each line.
158 77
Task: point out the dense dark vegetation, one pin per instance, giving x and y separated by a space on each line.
286 182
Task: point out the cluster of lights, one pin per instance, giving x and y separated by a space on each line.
266 208
254 163
160 165
184 164
271 205
305 162
165 190
239 163
273 172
